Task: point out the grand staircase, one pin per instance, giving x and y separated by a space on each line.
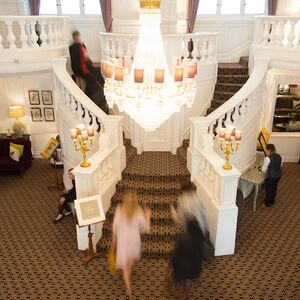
157 177
231 78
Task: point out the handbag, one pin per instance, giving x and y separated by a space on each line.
111 256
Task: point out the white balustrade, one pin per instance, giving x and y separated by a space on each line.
120 44
277 31
217 187
21 32
107 157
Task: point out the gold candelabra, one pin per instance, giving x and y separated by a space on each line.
229 139
81 137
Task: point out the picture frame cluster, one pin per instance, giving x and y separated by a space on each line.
36 109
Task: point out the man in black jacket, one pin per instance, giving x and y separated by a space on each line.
272 169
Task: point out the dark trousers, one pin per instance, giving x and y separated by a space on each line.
271 185
63 206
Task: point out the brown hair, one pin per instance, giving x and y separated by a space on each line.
130 204
271 148
75 33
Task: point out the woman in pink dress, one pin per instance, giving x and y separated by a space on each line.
130 221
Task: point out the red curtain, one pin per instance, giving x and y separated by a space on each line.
106 14
272 7
192 14
34 6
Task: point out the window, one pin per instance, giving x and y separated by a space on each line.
255 6
230 7
207 7
215 8
48 7
70 7
92 7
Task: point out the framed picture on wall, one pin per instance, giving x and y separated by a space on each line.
47 97
49 114
50 148
34 97
36 114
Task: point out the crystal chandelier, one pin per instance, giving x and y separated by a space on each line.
146 88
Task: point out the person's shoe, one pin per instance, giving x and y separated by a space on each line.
67 213
59 217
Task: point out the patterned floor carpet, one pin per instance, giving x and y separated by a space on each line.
39 259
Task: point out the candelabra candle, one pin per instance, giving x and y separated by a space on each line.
159 75
222 133
84 135
119 73
126 61
191 70
73 133
227 135
178 73
231 128
90 131
104 66
109 70
138 75
238 135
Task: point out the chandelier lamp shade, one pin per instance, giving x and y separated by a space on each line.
145 87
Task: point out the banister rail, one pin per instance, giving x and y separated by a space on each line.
22 32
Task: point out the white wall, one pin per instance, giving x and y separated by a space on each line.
14 91
12 7
288 7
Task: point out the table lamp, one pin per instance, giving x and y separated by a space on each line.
16 112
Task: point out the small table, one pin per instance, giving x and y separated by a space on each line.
255 177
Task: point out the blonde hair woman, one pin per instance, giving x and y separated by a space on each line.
130 221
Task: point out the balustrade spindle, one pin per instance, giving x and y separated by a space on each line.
272 36
211 49
51 36
1 40
113 48
33 36
291 37
106 48
280 33
43 34
204 49
23 36
265 38
10 35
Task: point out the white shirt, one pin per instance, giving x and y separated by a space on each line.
267 161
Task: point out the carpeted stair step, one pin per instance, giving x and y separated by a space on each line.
210 110
222 96
158 216
182 154
244 60
232 79
150 249
216 103
232 69
225 87
159 232
153 201
150 187
131 152
186 143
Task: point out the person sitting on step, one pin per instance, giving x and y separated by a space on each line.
65 198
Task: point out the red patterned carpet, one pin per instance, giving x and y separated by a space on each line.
39 259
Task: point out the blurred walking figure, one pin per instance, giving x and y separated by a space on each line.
130 221
189 206
190 250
